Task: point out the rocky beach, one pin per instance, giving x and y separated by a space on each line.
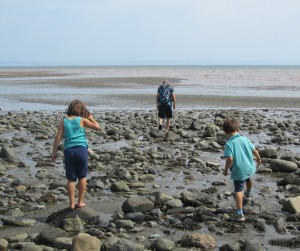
147 189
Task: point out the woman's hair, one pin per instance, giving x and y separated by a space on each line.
77 108
231 125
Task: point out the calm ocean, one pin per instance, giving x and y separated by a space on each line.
30 92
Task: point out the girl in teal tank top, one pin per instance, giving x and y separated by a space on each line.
75 148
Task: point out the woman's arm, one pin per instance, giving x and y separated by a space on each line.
90 122
57 140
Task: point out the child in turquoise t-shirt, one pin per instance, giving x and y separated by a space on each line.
239 153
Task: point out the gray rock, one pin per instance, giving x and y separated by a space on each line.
3 244
18 238
234 246
292 205
137 204
135 217
8 154
280 225
63 243
49 235
125 224
126 245
86 242
84 213
119 186
260 225
162 244
288 179
73 224
156 133
29 246
268 153
249 246
209 132
279 165
203 241
18 221
171 136
109 243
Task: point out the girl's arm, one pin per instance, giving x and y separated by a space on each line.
57 140
90 122
256 154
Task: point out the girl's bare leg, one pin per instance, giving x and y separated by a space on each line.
71 193
81 192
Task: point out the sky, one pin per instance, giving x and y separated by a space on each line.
70 32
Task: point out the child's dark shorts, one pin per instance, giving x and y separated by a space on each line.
165 111
239 185
76 162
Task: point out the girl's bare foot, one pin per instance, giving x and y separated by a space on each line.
72 206
80 205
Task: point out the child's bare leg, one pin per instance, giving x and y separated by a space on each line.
81 192
71 193
239 200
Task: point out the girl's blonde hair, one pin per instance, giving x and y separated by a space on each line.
77 108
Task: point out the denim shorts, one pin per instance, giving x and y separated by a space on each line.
76 162
239 185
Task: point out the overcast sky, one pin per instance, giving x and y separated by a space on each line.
149 31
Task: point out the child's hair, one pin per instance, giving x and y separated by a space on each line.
77 108
231 125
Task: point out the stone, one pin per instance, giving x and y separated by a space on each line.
49 235
126 245
137 204
203 241
85 241
18 221
73 224
279 165
119 186
63 243
3 244
162 244
268 153
292 205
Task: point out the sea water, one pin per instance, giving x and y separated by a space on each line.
29 93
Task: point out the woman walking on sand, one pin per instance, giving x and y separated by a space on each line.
75 148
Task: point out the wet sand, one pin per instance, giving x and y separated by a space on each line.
127 93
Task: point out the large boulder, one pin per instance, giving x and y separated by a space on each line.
137 204
49 235
8 154
284 166
126 245
203 241
292 205
85 241
268 153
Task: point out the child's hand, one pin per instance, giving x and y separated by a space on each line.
258 161
225 172
53 157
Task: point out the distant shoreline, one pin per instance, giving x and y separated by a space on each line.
135 89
